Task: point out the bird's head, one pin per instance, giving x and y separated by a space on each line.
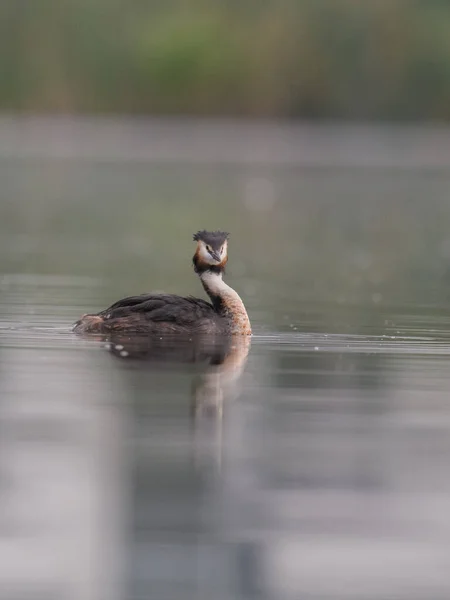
211 252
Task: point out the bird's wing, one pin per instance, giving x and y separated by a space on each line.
161 307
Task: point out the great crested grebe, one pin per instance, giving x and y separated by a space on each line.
161 314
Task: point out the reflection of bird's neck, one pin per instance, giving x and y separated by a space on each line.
226 301
219 381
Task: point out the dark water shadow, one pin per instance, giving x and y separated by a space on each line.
218 361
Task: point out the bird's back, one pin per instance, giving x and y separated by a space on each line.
155 313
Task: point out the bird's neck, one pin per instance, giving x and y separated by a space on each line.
226 301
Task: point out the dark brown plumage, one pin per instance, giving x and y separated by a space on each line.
213 238
154 314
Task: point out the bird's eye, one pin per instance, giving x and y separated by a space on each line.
208 248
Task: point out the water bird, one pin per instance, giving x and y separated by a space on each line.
161 314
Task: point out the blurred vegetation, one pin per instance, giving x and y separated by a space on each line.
388 59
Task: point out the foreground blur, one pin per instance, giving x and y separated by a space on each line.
316 466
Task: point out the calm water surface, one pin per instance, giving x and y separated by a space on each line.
313 464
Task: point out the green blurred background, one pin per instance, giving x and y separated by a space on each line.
337 59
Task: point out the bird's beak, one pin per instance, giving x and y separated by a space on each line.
215 256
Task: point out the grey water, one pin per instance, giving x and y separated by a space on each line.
321 471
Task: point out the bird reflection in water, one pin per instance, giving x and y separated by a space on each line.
221 361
